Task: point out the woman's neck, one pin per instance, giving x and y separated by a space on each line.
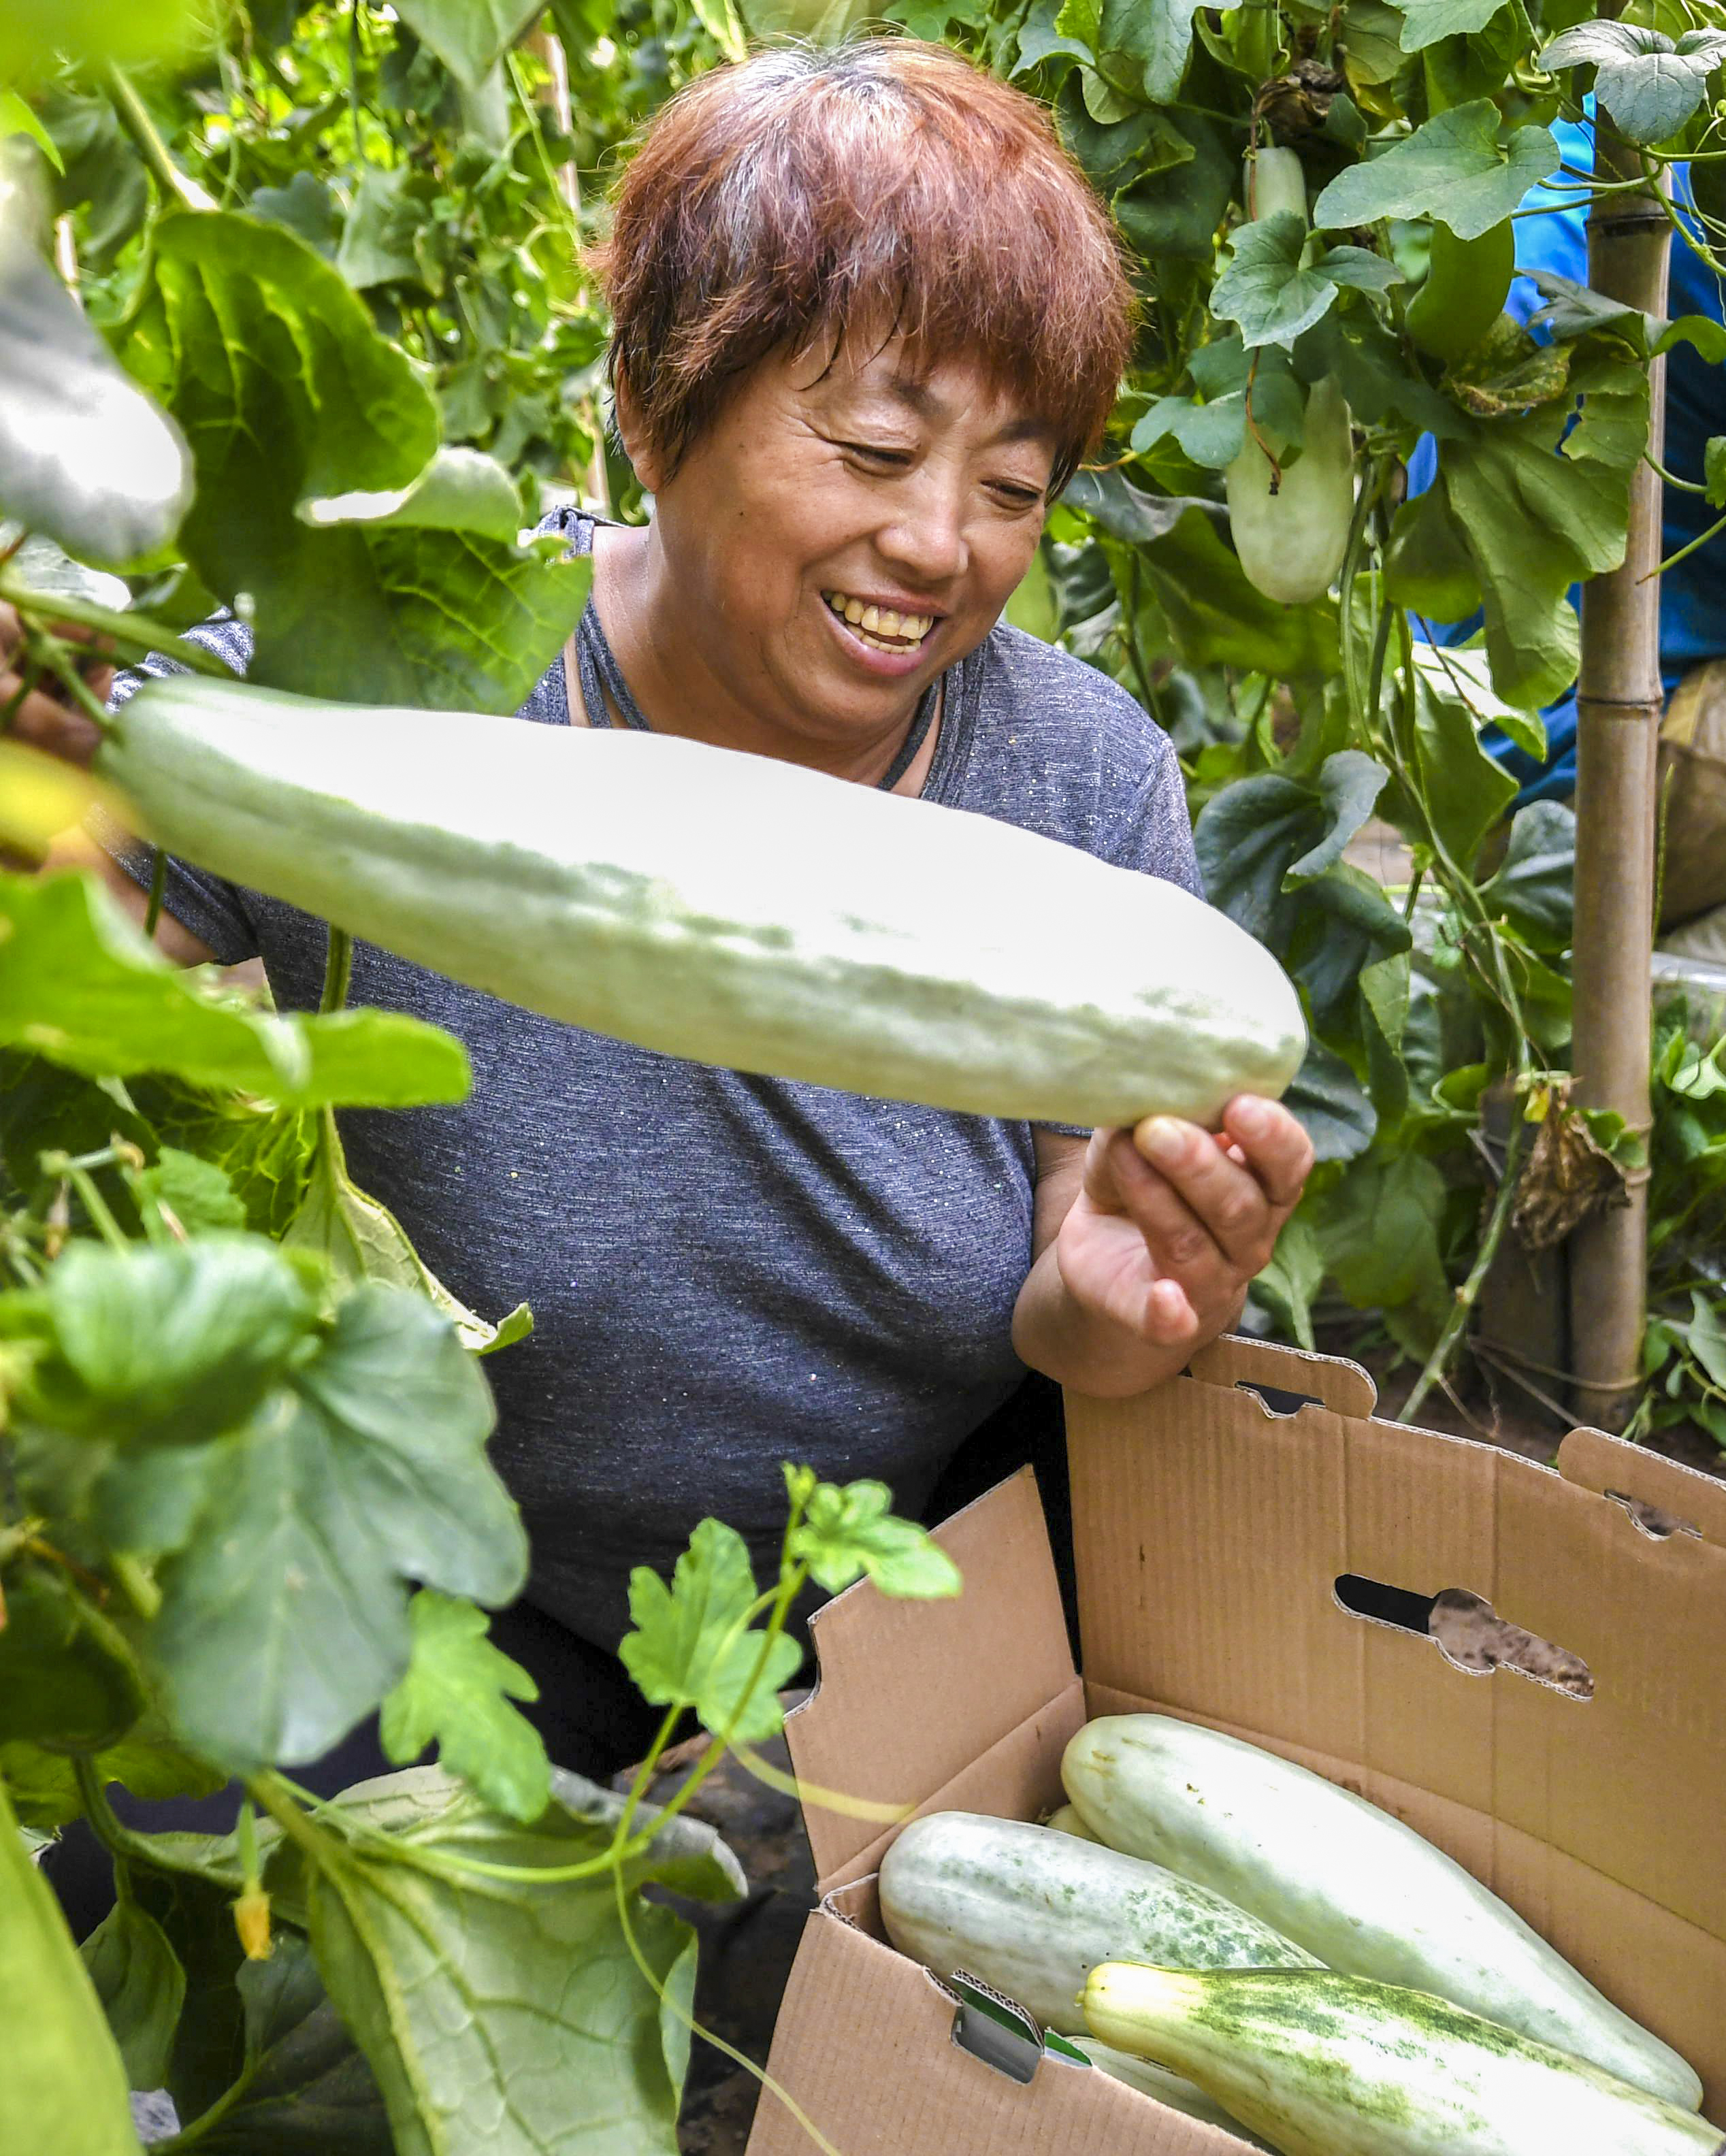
671 674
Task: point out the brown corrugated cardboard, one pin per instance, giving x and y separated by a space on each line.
1212 1520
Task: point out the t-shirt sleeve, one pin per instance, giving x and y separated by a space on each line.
214 911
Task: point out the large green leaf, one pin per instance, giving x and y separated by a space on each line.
1462 789
68 1679
1538 509
142 1985
469 36
309 2090
1171 214
1425 22
86 457
1379 1227
1293 1278
456 1695
33 32
297 411
1154 36
146 1761
285 1618
1534 886
1266 836
65 2086
1268 292
505 2018
167 1346
82 987
1450 169
1649 85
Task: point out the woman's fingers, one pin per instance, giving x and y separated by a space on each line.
58 729
1186 1191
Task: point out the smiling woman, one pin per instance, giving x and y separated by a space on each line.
869 317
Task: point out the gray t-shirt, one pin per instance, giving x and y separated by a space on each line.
726 1271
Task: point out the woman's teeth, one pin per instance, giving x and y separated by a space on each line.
883 627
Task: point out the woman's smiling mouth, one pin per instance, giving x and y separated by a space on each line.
883 629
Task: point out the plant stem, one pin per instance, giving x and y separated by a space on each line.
188 2137
1683 553
136 631
122 1841
1469 1292
338 970
134 116
158 885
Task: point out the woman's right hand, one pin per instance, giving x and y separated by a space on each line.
49 717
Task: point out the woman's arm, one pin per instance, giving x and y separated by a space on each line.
1143 1244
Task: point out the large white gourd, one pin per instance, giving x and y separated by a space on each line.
730 908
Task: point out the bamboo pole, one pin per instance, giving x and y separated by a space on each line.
1618 707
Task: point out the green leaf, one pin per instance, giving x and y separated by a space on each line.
1265 289
1464 791
1428 568
291 397
1349 784
86 457
196 1192
1216 617
1331 1105
65 2086
1538 509
1649 84
1124 511
140 1984
1293 1278
1451 169
1425 22
82 987
377 245
689 1647
359 1239
284 1620
90 33
1707 1336
1172 212
305 206
848 1532
469 36
1464 672
146 1761
1533 888
505 2017
456 1694
68 1679
1263 836
309 2089
1378 1230
1154 36
15 118
171 1345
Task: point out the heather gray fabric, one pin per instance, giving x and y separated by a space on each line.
726 1271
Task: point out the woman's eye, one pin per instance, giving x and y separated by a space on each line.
877 453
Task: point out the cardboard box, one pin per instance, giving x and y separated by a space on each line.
1213 1520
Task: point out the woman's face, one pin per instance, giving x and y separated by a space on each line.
839 536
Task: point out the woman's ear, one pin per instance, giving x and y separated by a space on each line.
638 447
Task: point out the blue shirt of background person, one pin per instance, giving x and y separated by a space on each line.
1692 596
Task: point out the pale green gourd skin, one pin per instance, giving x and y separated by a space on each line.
1032 1912
1327 2065
732 909
1162 2087
1292 543
1363 1892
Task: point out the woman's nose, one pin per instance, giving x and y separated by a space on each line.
926 535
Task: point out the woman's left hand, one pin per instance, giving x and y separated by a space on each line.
1171 1223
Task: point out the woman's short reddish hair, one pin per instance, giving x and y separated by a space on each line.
886 186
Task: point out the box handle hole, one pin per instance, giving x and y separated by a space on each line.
1277 1401
1653 1520
1468 1632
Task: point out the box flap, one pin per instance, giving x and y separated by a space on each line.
1210 1532
1691 1502
910 1693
